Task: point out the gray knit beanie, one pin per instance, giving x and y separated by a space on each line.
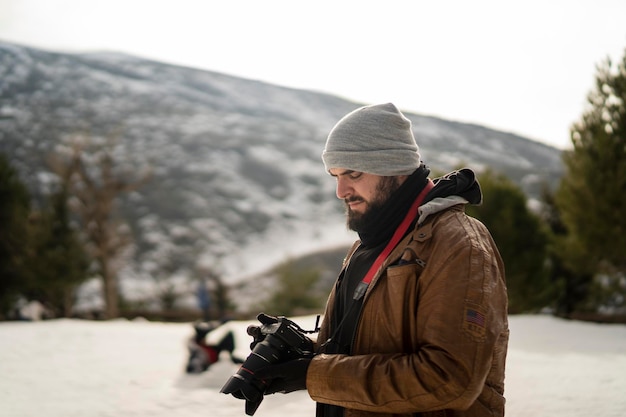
375 139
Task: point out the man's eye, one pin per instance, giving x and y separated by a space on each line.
355 175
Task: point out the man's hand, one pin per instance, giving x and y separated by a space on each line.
285 377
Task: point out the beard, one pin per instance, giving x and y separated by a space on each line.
359 221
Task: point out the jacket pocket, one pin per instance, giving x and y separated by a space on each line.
402 288
390 313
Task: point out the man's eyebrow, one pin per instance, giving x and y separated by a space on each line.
346 172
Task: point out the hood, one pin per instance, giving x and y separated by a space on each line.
457 187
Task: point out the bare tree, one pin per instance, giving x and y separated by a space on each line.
97 181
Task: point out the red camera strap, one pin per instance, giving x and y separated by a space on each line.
395 239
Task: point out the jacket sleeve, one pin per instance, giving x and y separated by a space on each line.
460 316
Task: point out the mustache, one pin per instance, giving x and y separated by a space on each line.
352 200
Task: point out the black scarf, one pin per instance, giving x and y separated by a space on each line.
386 220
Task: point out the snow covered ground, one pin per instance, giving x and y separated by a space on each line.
71 368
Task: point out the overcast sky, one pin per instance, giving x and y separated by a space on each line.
524 67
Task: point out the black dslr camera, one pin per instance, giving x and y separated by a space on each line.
283 340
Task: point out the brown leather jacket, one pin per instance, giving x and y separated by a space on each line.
433 333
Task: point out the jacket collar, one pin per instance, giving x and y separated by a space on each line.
438 204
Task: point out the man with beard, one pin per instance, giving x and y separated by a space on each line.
416 324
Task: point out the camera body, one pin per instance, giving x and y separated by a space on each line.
283 340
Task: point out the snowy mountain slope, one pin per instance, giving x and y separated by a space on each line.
237 181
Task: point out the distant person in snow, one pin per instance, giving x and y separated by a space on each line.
416 324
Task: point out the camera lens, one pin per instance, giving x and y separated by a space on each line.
282 341
243 384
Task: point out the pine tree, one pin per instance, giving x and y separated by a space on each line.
14 213
59 261
592 193
571 285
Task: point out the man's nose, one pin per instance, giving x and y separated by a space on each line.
343 189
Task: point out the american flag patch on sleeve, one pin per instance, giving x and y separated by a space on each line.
475 321
475 317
